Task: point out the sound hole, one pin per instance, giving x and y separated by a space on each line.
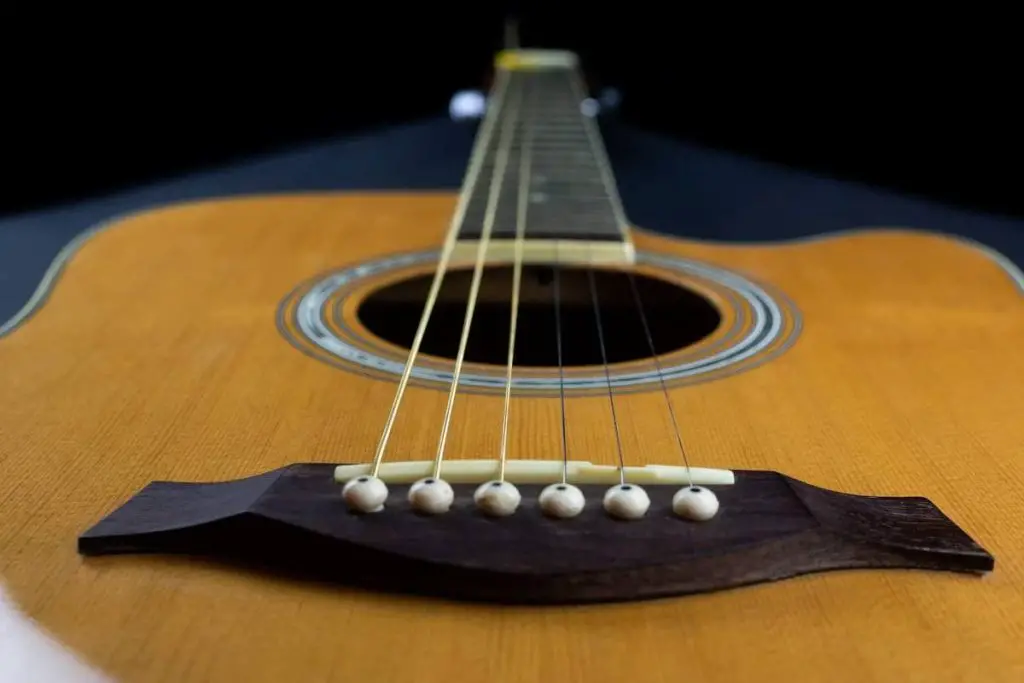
677 317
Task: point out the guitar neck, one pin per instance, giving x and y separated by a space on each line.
539 171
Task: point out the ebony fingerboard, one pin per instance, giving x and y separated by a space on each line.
556 150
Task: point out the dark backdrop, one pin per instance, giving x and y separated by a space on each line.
94 102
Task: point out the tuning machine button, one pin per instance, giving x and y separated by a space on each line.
467 105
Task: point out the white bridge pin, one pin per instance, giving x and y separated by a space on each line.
696 503
365 494
431 496
497 498
561 500
626 501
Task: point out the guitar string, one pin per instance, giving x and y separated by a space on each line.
494 194
517 271
606 178
557 295
604 165
607 372
661 375
470 183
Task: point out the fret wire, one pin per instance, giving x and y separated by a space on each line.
570 194
599 151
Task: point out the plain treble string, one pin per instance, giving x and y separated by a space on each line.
607 373
625 501
557 297
661 375
691 502
696 503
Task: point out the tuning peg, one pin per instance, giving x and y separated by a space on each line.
610 99
604 104
467 105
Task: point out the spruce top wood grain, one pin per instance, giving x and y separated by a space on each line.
173 347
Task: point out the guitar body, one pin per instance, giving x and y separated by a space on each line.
163 352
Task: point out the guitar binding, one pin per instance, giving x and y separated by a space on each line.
293 521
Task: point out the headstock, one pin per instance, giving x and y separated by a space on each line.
470 105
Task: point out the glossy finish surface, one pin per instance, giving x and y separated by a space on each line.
156 356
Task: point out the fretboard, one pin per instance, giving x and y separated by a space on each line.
540 167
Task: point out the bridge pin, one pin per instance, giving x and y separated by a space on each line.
431 496
696 503
497 498
562 501
365 494
626 501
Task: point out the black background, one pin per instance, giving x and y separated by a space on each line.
897 97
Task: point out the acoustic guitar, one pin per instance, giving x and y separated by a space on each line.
504 435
